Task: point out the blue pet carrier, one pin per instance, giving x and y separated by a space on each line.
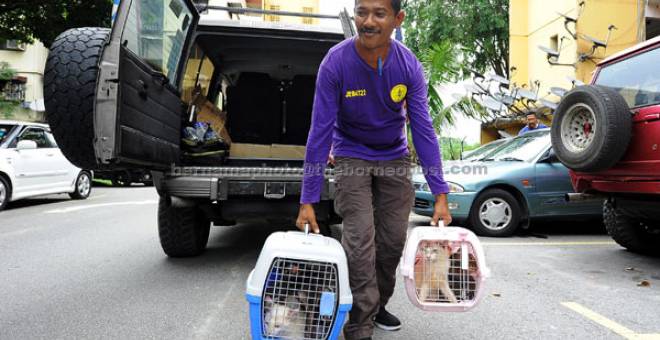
299 288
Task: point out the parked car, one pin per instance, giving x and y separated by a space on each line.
608 134
483 150
123 99
124 178
31 164
519 181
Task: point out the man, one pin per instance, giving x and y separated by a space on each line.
358 109
533 123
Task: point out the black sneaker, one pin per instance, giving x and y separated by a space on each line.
385 320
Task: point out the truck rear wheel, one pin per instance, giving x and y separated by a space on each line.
629 232
183 231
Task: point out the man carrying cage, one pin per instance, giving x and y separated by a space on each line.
358 110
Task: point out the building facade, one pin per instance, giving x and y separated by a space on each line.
26 87
301 6
569 28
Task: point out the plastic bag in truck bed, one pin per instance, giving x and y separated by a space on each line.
202 145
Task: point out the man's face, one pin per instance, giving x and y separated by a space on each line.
375 20
532 121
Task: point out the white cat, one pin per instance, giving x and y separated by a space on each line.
285 320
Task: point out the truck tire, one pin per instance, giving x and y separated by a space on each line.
183 231
495 213
70 80
591 128
629 232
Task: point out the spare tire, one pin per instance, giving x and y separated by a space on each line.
591 128
70 80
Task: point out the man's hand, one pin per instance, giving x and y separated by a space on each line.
441 210
331 159
306 215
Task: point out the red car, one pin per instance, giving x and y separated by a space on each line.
608 134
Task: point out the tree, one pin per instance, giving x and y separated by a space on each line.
480 28
26 20
6 72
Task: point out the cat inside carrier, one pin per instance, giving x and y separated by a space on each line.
444 268
299 288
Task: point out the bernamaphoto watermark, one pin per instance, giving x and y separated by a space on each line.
311 169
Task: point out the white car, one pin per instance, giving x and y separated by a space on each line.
31 164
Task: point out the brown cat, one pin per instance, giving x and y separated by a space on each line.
432 274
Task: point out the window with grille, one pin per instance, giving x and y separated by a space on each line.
275 18
308 21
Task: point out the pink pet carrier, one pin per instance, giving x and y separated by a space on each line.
444 269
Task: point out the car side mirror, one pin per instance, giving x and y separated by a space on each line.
26 145
549 157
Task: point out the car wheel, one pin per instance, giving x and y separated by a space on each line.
591 128
495 213
183 231
83 186
5 192
629 232
70 79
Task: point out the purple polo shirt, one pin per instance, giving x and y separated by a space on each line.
360 113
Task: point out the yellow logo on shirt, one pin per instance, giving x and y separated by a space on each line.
356 93
398 93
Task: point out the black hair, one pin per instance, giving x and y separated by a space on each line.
396 5
532 114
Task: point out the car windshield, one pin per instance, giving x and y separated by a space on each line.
5 129
483 150
637 79
524 148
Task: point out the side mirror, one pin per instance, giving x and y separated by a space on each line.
26 145
549 157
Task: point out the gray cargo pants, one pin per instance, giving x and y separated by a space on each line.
374 199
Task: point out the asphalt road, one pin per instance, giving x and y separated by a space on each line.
94 269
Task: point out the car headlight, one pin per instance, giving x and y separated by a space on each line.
453 187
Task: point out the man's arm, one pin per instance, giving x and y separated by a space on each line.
426 144
319 141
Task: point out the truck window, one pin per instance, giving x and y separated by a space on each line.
156 31
637 79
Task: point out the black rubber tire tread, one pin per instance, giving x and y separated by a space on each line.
628 232
70 80
5 182
516 212
75 194
183 232
614 129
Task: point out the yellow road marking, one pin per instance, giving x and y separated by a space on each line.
557 243
607 323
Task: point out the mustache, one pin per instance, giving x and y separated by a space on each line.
369 30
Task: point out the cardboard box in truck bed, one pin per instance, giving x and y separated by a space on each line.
209 113
274 151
